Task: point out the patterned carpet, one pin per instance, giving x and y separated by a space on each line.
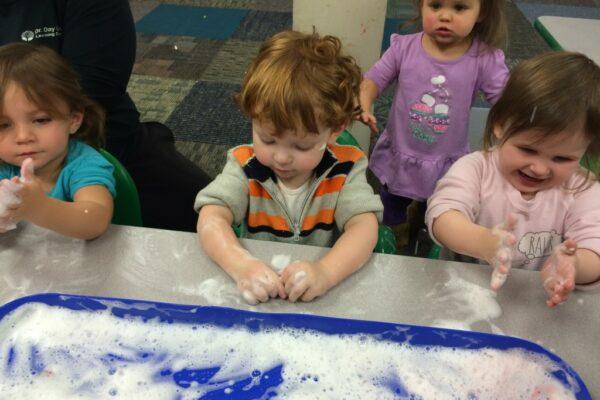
192 54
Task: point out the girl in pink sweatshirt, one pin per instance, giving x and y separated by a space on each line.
525 201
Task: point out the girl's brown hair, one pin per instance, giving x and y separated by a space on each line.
549 94
49 82
301 80
491 28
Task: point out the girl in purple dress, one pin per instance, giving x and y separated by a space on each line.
439 72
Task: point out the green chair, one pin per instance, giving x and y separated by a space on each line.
347 138
592 163
386 241
127 210
434 252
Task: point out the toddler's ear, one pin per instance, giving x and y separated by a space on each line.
498 131
76 121
335 133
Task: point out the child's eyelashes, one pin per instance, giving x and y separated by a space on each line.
457 7
266 141
269 141
527 150
561 159
558 159
42 120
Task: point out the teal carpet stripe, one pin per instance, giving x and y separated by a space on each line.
176 20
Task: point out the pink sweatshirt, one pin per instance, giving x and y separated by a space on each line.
475 187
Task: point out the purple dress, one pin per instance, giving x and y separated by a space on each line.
427 128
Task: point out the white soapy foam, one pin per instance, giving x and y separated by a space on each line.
280 261
498 279
54 353
249 297
299 276
215 291
469 302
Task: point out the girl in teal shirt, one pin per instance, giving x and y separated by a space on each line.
50 173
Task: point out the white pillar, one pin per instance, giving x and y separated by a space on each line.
359 25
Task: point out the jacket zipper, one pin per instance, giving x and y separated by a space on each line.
293 223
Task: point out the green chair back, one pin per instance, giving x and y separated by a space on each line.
386 241
127 210
592 163
434 252
347 138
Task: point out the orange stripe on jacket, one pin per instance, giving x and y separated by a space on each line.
322 217
261 218
346 153
255 189
243 154
331 185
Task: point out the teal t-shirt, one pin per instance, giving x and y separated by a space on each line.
83 166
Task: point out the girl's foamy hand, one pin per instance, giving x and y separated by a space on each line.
259 283
305 280
30 193
8 202
501 260
27 174
369 119
558 273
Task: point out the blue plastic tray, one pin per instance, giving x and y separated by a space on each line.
227 318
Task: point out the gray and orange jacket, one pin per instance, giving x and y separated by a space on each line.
338 192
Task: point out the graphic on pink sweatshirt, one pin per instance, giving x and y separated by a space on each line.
538 244
429 116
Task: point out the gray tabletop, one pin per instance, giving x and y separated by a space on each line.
169 266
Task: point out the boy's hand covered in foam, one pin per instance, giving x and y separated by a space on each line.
305 280
258 283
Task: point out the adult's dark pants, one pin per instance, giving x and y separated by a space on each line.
167 182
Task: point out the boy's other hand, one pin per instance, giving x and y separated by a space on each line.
258 283
305 280
558 273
